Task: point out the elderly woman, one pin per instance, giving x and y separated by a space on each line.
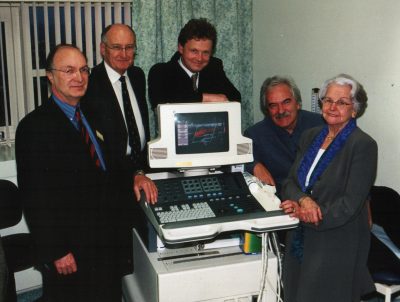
327 188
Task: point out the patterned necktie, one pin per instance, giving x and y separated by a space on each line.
85 135
194 80
133 132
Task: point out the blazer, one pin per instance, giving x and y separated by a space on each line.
64 195
169 83
335 252
101 105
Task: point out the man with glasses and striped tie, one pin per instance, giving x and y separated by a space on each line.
66 189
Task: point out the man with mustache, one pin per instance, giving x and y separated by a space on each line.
275 138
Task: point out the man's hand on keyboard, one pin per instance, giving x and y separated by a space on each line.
141 182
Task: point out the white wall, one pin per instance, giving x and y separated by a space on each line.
315 40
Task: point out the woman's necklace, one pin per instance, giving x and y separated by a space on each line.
330 137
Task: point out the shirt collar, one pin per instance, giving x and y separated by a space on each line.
184 68
112 74
68 110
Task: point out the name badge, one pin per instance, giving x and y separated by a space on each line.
100 136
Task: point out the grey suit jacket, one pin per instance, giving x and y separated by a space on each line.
344 186
335 252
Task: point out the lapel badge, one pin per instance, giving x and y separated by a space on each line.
100 136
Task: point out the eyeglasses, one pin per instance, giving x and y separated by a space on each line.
70 71
119 48
341 103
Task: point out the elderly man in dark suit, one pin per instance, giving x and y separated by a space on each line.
116 102
192 74
67 191
104 102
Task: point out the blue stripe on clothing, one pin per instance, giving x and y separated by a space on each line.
69 111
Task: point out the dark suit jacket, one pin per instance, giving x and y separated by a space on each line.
65 196
335 252
101 105
169 83
3 273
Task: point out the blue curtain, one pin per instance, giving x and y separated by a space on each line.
157 24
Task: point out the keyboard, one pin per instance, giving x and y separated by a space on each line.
186 211
201 207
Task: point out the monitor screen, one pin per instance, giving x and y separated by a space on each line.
193 135
201 132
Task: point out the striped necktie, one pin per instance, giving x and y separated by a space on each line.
86 138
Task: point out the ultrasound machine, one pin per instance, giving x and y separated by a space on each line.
193 250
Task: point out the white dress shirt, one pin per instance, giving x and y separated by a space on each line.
116 83
189 73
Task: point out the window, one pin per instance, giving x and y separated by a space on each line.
28 30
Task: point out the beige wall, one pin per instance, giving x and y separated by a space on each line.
314 40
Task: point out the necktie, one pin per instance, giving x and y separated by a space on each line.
194 80
133 132
85 136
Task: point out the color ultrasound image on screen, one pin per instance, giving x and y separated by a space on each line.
203 132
